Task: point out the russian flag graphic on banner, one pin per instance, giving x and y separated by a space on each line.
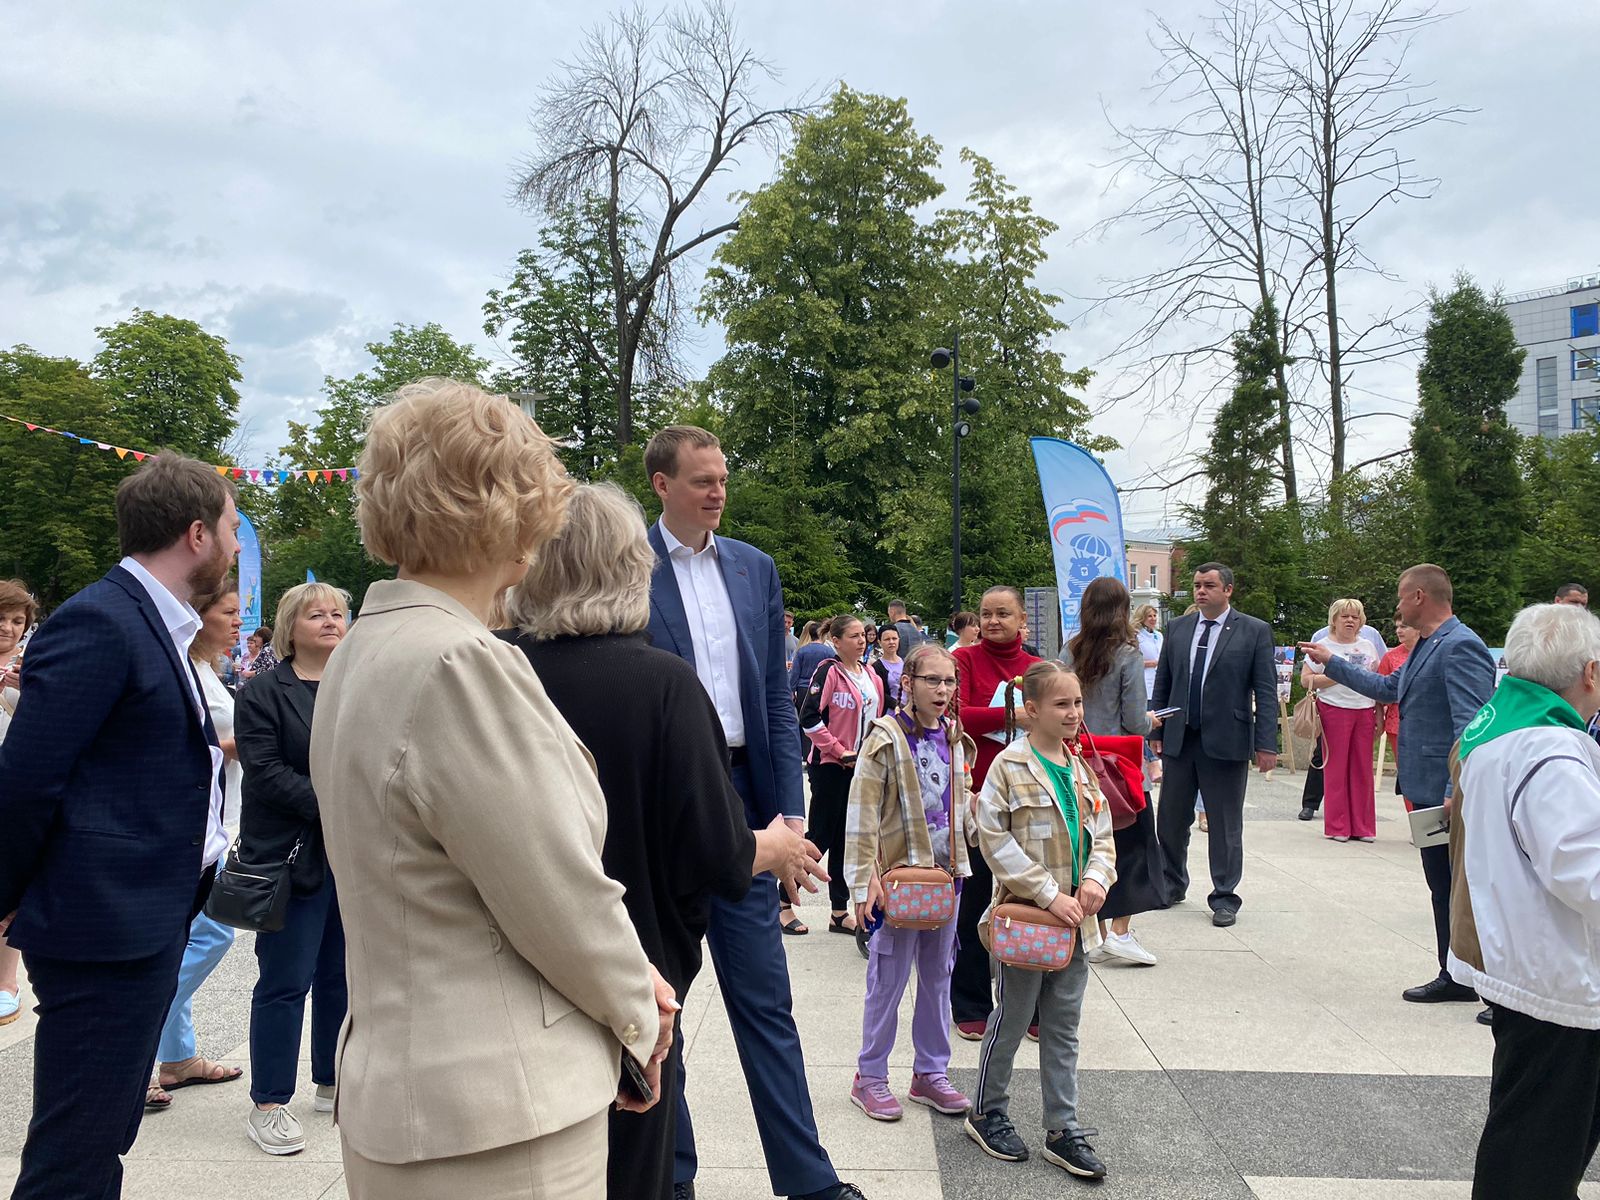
1085 522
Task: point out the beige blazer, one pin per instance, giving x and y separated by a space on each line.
495 978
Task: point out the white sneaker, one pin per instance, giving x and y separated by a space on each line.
1127 947
324 1100
275 1130
1098 954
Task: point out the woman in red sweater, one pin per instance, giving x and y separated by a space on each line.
983 668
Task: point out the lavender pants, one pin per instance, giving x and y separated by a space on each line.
893 951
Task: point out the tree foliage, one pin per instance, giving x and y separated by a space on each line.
557 315
1561 533
58 520
171 381
1243 521
1466 454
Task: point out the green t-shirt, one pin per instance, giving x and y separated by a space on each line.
1066 792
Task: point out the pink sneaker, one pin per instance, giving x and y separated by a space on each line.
874 1098
935 1091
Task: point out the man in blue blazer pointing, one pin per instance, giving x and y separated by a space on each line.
111 803
718 604
1446 679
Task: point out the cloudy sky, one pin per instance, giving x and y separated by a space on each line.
298 177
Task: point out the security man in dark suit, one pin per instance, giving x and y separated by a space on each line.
1216 665
111 803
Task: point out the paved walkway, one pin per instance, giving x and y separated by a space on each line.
1271 1060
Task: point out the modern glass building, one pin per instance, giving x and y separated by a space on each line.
1559 327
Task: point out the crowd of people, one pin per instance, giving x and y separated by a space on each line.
491 870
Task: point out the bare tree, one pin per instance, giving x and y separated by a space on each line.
1290 121
1342 66
647 113
1213 182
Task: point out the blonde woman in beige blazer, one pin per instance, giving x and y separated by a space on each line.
496 982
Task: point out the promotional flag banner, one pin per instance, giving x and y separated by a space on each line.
249 580
1085 520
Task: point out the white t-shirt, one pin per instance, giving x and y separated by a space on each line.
862 677
219 700
1358 653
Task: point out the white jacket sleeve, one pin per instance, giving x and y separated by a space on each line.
1557 823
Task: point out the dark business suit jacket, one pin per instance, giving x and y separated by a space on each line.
772 732
1241 666
277 804
105 783
1446 679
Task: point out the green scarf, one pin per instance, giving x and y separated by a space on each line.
1517 704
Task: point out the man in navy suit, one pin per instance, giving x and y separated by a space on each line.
1446 679
717 603
111 803
1216 665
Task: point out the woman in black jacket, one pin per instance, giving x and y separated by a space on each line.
676 835
279 822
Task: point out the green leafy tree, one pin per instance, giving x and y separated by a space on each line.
1242 522
1359 542
1466 454
171 381
58 520
558 314
1008 332
1561 539
311 526
824 292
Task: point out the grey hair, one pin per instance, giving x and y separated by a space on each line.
1551 644
593 577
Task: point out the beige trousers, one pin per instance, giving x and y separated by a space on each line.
568 1165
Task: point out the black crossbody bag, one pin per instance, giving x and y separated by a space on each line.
250 896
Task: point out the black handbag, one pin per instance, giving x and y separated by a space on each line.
249 896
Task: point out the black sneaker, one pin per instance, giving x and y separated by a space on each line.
1070 1150
997 1136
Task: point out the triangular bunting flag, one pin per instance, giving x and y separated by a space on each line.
220 470
138 455
327 477
101 446
238 472
31 428
254 474
344 474
122 451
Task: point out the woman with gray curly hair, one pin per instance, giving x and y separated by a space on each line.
676 831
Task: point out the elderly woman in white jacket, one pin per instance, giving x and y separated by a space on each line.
1525 902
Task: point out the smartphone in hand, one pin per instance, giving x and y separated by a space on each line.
634 1083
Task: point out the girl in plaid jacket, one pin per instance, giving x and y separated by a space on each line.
1046 832
910 804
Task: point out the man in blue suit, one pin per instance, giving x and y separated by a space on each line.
717 604
1445 681
111 803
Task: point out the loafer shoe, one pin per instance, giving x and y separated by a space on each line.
1307 813
971 1031
996 1136
938 1093
1438 990
873 1097
1224 917
1486 1017
1070 1150
1033 1033
324 1101
275 1130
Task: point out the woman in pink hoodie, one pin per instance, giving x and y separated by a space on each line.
844 697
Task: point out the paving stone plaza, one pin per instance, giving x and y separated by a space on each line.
1271 1060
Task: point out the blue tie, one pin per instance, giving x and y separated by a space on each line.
1197 675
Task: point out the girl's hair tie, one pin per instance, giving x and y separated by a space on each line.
1017 682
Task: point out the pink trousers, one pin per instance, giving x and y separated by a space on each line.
1349 804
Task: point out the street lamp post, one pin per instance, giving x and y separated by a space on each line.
959 428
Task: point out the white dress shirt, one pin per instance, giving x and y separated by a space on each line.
1217 623
183 623
712 627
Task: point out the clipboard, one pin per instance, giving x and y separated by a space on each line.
1429 826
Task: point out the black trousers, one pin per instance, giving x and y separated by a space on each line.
1544 1110
1185 775
1311 795
971 998
643 1145
1436 870
830 802
93 1050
